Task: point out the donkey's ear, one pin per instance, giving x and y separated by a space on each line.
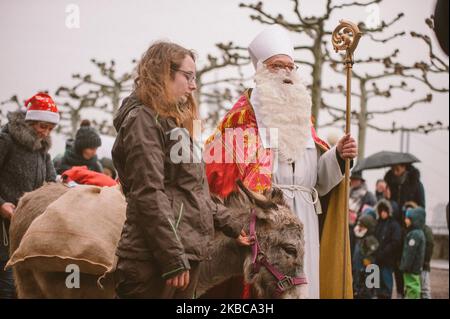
258 199
277 196
217 199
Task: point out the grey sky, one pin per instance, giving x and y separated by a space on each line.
40 52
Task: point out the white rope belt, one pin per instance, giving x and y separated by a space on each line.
313 200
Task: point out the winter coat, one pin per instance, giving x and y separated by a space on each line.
379 195
170 215
413 255
58 158
407 188
72 158
429 246
398 214
24 165
368 244
389 234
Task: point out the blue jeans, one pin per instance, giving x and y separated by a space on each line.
386 283
425 285
7 288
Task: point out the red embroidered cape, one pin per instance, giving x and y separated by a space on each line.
243 157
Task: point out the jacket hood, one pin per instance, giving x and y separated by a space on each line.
23 134
371 211
383 204
128 104
369 222
417 217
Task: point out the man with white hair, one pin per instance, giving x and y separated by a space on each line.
284 151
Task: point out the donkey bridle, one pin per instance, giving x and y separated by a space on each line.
259 259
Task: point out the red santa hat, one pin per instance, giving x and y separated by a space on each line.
272 41
41 107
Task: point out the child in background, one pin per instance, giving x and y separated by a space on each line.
413 255
429 246
366 245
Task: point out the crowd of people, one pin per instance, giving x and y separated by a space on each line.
25 164
388 230
170 216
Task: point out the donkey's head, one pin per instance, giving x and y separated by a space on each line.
274 265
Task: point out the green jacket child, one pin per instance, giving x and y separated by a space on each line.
413 255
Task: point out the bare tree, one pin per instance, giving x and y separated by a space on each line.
395 76
319 34
72 107
216 92
111 85
103 94
10 105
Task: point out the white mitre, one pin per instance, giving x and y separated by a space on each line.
272 41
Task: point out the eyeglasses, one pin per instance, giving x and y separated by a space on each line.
190 77
280 66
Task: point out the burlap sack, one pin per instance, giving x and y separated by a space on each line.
82 227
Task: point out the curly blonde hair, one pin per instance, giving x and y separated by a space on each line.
154 71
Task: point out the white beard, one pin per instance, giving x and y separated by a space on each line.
286 107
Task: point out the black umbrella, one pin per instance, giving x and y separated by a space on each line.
385 159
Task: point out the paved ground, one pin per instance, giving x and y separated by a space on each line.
439 283
439 280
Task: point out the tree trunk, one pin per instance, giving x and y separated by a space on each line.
197 93
362 119
115 99
316 89
74 121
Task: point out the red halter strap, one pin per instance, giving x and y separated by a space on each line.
259 259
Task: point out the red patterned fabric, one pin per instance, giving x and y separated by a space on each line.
250 163
247 161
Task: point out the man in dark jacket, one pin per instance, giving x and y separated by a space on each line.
405 185
170 216
413 255
403 182
388 233
83 150
24 166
